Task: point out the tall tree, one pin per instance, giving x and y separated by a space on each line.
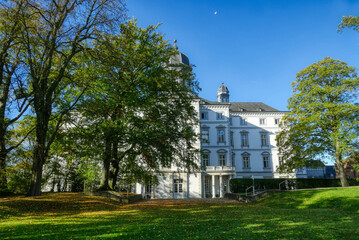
322 118
63 27
139 110
14 94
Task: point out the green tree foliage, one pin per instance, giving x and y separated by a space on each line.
15 97
138 115
62 29
349 22
322 118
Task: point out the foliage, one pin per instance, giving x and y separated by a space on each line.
239 185
15 97
322 119
54 33
19 176
353 160
349 22
19 164
138 114
288 215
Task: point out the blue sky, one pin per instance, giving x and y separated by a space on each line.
255 47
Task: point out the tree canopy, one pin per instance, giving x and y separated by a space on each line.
323 117
84 88
139 106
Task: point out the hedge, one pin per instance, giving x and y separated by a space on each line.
239 185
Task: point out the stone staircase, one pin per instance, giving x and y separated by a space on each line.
250 197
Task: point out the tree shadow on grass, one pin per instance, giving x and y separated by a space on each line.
194 222
56 204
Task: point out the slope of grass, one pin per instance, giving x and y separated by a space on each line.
291 215
346 199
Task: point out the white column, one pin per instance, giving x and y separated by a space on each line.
203 186
172 184
152 191
213 187
220 186
229 179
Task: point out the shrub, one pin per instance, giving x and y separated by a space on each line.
239 185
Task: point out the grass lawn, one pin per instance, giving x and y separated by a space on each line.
312 214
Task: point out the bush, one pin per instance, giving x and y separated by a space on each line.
19 177
239 185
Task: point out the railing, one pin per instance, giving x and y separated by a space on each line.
286 184
219 168
253 191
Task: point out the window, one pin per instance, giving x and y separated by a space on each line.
264 139
148 188
178 185
221 136
207 186
230 121
204 115
220 116
231 138
205 135
245 157
265 160
222 159
276 121
244 139
243 121
262 121
205 159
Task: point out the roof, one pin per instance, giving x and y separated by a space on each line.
243 106
222 89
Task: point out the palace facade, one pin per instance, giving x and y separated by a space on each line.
237 141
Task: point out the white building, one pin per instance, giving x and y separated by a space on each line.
237 141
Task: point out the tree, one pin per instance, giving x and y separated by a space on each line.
322 118
62 29
138 115
15 98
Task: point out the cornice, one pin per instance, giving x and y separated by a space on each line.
240 114
209 107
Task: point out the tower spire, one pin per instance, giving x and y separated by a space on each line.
175 45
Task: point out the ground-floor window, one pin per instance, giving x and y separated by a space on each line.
178 185
206 185
148 188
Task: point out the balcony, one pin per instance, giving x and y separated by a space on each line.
219 169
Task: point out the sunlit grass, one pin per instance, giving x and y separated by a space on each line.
290 215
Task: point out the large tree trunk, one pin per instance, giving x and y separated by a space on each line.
106 165
114 164
43 112
3 181
3 129
341 172
339 165
35 186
